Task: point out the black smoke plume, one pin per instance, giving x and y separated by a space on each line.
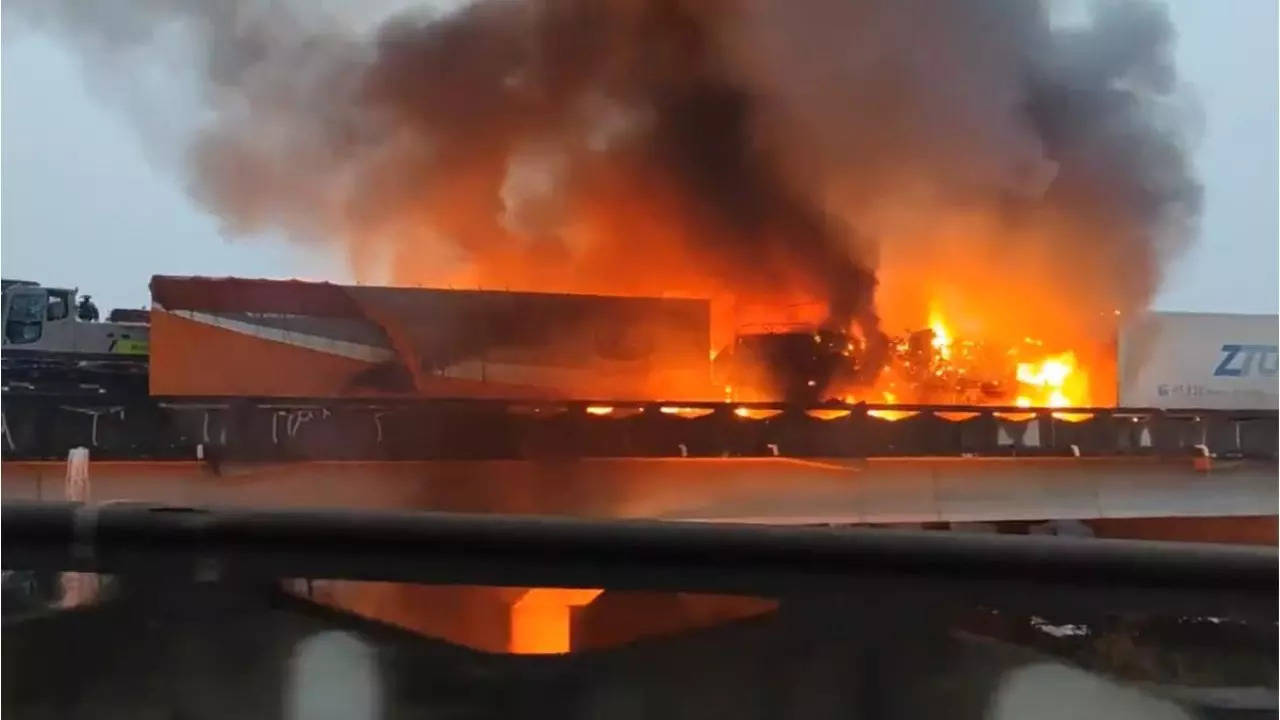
783 150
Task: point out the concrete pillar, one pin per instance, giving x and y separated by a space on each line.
493 619
78 588
333 675
540 619
77 489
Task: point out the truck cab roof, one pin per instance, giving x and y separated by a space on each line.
33 284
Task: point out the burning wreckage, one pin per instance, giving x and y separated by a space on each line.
930 367
922 367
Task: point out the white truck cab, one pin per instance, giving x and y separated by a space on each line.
49 321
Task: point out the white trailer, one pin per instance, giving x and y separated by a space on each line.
1199 360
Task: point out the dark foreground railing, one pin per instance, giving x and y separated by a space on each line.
190 618
439 548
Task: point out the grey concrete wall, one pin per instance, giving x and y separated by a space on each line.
781 490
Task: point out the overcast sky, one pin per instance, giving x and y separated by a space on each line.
82 206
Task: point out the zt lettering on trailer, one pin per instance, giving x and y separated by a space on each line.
1240 361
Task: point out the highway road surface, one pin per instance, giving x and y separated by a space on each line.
775 490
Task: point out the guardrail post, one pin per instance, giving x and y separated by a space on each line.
78 588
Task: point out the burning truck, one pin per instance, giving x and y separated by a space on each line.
922 367
234 337
267 338
929 364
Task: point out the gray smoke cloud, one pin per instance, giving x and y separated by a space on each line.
778 149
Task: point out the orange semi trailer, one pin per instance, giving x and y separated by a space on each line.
268 338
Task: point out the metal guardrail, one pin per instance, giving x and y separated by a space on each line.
284 428
442 548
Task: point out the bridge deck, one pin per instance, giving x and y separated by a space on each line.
776 490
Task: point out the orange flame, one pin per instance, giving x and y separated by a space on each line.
827 413
755 413
984 370
941 336
892 415
689 413
1055 381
